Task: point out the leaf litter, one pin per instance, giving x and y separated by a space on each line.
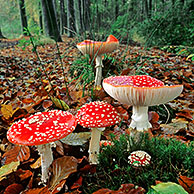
28 85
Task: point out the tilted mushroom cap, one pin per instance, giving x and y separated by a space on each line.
140 90
97 114
42 128
139 158
96 48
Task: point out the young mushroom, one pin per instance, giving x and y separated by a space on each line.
140 91
97 115
96 49
139 158
40 130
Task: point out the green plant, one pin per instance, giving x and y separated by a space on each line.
82 70
169 159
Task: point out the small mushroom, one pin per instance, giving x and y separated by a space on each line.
140 91
139 158
97 115
40 130
96 49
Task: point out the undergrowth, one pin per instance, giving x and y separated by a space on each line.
170 158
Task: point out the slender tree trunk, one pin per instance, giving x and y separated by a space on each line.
50 20
70 18
146 8
23 16
116 9
150 8
77 16
40 19
87 14
62 16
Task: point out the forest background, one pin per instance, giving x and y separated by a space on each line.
148 22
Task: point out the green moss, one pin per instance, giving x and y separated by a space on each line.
169 158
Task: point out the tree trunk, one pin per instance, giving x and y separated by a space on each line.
116 9
70 18
150 8
77 16
87 14
50 21
23 16
62 16
40 19
146 8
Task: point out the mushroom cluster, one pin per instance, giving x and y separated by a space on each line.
140 91
40 130
97 115
96 49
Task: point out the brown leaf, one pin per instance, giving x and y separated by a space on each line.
61 169
23 174
123 113
36 164
17 153
43 190
47 103
187 183
78 183
59 148
153 117
13 189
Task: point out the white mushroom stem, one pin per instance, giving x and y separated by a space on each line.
98 67
94 146
140 118
46 155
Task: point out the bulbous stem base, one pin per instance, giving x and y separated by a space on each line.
140 118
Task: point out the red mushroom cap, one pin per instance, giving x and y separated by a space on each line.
140 90
42 128
97 114
139 158
96 48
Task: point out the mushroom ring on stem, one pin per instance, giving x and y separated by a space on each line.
40 130
97 115
95 49
140 91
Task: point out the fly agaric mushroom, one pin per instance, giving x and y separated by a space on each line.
139 158
96 49
41 129
97 115
140 91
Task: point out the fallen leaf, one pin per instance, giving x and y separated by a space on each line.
7 169
59 103
168 187
23 174
7 111
76 139
187 183
20 153
61 169
36 164
43 190
13 189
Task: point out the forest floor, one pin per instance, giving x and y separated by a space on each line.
28 85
